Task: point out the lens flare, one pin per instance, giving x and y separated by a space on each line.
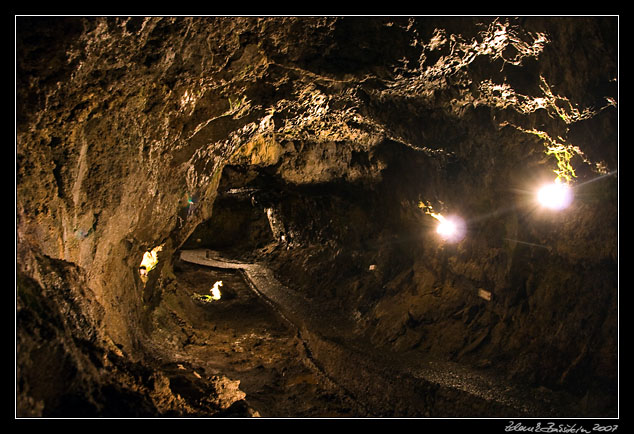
446 229
555 196
451 229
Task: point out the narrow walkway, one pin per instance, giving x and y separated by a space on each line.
292 306
389 385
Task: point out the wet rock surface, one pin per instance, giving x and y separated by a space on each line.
66 366
318 147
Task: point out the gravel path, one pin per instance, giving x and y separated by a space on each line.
392 385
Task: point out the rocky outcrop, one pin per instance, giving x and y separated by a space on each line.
131 131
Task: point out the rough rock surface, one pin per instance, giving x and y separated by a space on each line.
134 133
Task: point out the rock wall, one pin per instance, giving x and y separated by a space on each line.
125 128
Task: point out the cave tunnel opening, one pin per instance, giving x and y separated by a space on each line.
255 208
238 225
324 237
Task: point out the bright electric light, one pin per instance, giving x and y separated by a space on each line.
215 291
555 196
451 229
446 229
150 259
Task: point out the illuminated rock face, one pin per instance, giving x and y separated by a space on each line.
128 130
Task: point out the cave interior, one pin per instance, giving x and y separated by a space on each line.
239 216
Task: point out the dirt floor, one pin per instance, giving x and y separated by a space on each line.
240 337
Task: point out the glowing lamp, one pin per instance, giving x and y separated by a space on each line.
555 196
215 290
150 260
451 229
446 229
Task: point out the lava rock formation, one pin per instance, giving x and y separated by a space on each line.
316 145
